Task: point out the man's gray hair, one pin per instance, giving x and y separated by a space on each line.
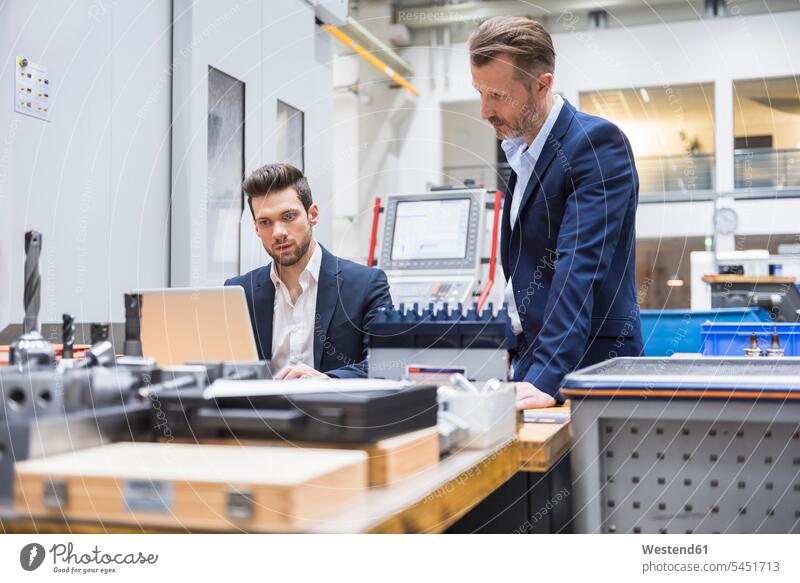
524 40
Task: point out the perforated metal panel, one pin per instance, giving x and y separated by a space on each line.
695 476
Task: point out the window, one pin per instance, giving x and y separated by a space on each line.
766 128
225 173
289 135
661 262
671 130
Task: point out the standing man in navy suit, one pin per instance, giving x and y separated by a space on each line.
568 227
311 311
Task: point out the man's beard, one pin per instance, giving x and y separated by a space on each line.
520 126
291 257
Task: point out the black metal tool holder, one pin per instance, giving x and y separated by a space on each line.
98 332
31 349
68 336
133 325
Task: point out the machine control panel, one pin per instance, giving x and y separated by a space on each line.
451 291
431 231
432 246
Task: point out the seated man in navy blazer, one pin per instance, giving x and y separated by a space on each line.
568 227
310 310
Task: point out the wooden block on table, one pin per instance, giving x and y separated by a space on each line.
402 456
205 487
390 460
542 444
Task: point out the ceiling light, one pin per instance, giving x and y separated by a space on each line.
675 280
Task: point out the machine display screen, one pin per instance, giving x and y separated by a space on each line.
431 229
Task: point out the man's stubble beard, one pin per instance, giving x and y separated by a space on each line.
289 260
522 125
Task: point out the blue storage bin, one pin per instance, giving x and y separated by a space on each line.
722 339
666 332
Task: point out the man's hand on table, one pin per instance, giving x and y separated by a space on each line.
299 371
529 397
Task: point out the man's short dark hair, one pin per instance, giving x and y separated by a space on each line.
273 178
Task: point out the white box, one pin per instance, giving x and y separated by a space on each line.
490 416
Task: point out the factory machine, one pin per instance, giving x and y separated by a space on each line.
439 247
439 252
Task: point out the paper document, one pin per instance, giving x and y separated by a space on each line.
259 388
545 416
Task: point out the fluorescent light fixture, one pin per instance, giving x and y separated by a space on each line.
675 280
645 95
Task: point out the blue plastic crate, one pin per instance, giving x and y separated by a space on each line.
666 332
723 339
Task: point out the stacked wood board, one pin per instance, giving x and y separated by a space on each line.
542 445
544 437
198 487
390 460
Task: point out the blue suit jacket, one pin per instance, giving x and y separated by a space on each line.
348 296
571 254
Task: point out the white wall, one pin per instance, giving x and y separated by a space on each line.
346 151
661 55
275 47
694 219
460 121
94 180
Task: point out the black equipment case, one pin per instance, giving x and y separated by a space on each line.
338 417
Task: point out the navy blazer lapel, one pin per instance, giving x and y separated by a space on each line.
263 311
505 225
551 147
327 298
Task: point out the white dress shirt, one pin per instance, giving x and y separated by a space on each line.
293 324
522 159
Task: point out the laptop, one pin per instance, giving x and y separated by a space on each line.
179 325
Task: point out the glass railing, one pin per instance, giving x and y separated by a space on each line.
766 168
689 174
657 175
685 174
681 174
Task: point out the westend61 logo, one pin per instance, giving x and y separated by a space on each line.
66 560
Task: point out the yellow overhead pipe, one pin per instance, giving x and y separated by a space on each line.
371 59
